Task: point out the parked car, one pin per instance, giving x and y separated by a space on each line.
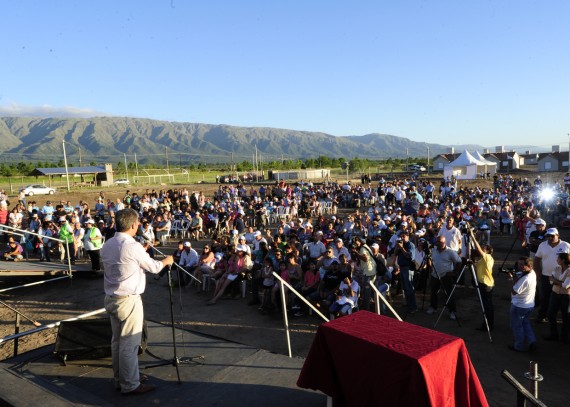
122 181
416 167
38 189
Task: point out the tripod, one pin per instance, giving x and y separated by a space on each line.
175 361
468 265
429 263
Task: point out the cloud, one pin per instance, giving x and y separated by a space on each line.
44 111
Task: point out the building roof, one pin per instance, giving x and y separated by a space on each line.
557 155
70 170
449 157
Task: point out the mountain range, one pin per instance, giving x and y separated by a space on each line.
108 139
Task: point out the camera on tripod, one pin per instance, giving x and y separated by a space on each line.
510 271
464 227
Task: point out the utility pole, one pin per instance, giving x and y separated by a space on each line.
126 168
136 165
79 148
428 161
66 170
166 154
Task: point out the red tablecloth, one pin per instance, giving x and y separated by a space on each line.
366 359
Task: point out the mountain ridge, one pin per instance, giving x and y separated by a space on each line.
113 137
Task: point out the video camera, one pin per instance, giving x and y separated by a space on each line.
464 227
509 271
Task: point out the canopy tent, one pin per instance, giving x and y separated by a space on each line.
490 166
466 167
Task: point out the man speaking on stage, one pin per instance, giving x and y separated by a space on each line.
125 262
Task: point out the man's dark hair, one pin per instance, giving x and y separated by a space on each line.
125 218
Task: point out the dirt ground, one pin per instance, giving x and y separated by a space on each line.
234 320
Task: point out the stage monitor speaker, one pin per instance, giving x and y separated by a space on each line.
84 339
88 339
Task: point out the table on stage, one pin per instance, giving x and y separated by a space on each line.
366 359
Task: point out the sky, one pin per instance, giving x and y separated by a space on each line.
449 72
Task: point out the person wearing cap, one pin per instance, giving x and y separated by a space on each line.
257 240
188 261
92 242
536 236
383 274
78 235
404 251
559 300
506 219
125 262
444 263
66 234
48 210
315 249
367 266
339 248
545 262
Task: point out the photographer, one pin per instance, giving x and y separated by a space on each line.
522 304
367 265
444 262
484 270
405 252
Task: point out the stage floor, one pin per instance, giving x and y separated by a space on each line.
230 374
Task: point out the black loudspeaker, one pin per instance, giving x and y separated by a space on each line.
88 339
84 339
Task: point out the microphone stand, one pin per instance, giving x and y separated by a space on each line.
175 361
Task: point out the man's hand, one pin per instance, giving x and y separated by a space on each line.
168 261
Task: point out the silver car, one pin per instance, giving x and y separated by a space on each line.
38 189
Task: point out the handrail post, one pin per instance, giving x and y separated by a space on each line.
286 319
381 297
533 376
16 332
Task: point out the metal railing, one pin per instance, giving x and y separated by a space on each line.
26 233
52 325
524 395
379 297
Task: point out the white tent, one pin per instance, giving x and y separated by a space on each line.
490 166
464 167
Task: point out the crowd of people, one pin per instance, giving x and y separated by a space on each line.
332 241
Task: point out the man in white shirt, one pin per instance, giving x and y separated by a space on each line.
125 261
188 260
452 235
544 264
522 304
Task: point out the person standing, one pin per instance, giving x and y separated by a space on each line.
545 262
405 256
559 299
93 241
125 261
444 262
66 234
522 304
484 271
